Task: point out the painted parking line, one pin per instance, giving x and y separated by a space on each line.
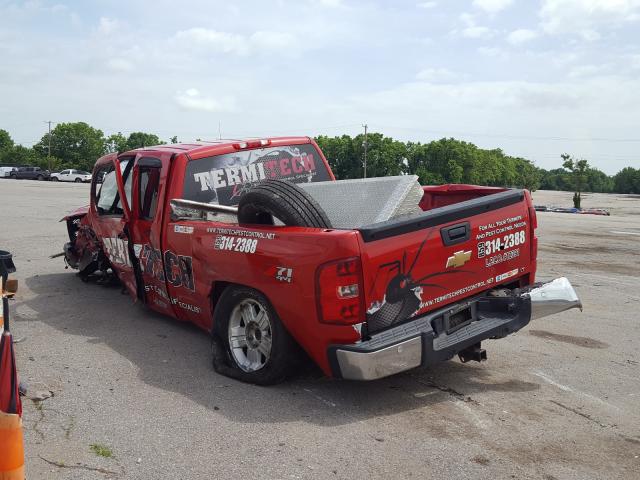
619 232
566 388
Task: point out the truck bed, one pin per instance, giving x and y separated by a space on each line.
418 263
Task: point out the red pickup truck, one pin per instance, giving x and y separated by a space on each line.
222 234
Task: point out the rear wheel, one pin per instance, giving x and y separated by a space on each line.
40 177
78 180
249 341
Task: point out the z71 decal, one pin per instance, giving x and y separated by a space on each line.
284 274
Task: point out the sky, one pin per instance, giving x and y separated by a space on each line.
535 78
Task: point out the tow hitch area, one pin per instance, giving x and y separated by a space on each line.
453 330
473 353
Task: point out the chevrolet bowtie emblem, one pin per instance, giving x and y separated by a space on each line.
458 259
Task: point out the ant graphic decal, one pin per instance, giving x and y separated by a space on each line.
403 294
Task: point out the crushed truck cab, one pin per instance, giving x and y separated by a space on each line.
256 243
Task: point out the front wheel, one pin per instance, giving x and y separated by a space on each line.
249 341
40 178
54 179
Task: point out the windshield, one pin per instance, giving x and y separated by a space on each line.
224 178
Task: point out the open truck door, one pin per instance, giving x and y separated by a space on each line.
111 197
145 229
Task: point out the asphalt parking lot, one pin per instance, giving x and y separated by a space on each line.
558 400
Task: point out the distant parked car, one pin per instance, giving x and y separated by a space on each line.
5 172
31 173
71 175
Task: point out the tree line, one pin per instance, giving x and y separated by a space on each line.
448 160
454 161
72 145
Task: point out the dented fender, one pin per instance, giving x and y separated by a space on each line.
78 212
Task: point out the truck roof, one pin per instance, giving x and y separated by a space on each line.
203 148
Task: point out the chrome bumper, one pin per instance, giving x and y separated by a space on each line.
553 297
381 363
423 341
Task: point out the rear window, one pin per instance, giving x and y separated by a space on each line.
224 178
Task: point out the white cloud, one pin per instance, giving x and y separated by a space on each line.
330 3
478 96
226 42
584 17
435 75
587 70
492 52
118 64
271 40
590 35
521 35
107 25
427 5
468 19
472 29
492 6
633 61
477 32
192 99
216 41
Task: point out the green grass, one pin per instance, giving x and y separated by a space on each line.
101 450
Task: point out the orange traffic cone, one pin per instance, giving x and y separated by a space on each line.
11 447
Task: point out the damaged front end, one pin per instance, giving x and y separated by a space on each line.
83 251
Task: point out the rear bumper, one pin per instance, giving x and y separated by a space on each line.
424 340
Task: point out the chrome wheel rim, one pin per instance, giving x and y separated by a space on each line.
250 335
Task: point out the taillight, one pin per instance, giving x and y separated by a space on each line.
339 292
533 240
533 218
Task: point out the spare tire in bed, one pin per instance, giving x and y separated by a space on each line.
283 200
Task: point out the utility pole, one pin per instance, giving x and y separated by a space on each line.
219 129
365 150
49 155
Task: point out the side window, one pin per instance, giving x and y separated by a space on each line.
148 193
107 199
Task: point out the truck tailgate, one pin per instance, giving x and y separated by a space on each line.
426 261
